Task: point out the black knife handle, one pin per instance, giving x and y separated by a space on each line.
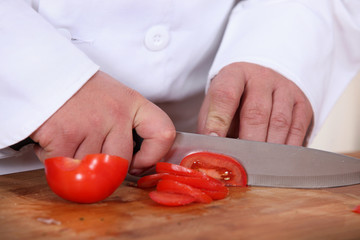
136 138
23 143
137 141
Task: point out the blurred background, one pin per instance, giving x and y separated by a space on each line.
341 131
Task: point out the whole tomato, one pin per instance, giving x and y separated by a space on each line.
89 180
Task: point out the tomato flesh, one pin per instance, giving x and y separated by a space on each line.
171 199
165 167
217 195
201 183
150 180
89 180
200 177
218 166
180 188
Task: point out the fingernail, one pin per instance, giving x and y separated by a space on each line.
135 172
213 134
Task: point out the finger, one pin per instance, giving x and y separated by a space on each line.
255 111
51 144
281 116
90 145
39 152
302 116
203 115
119 141
221 103
234 127
55 150
158 132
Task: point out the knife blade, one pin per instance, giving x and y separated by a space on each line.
274 165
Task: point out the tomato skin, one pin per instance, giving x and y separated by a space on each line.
165 167
218 166
217 195
171 199
214 188
179 185
90 180
201 183
180 188
150 180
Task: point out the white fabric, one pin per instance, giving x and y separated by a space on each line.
314 43
49 49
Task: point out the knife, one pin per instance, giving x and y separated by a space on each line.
274 165
266 164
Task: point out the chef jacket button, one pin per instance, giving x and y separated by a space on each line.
66 33
157 38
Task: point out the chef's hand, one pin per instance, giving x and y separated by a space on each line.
252 102
99 118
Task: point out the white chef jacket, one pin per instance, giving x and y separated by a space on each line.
168 51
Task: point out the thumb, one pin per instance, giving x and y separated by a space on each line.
158 134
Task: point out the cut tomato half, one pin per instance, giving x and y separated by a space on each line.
218 166
89 180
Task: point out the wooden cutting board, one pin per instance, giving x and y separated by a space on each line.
29 210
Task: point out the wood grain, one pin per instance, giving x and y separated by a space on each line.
29 210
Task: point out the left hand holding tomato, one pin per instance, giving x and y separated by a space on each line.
100 118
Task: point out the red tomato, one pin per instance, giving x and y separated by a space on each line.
171 199
217 195
357 209
178 185
165 167
150 180
180 188
218 166
201 183
89 180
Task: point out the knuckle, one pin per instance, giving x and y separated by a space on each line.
298 130
72 135
168 134
217 122
255 115
132 93
96 122
233 70
280 121
224 96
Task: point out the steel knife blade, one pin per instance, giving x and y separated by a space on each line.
274 165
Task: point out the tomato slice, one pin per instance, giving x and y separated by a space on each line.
218 166
356 209
89 180
150 180
174 182
217 195
171 199
201 183
180 188
165 167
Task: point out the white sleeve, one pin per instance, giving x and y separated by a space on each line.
313 43
39 71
